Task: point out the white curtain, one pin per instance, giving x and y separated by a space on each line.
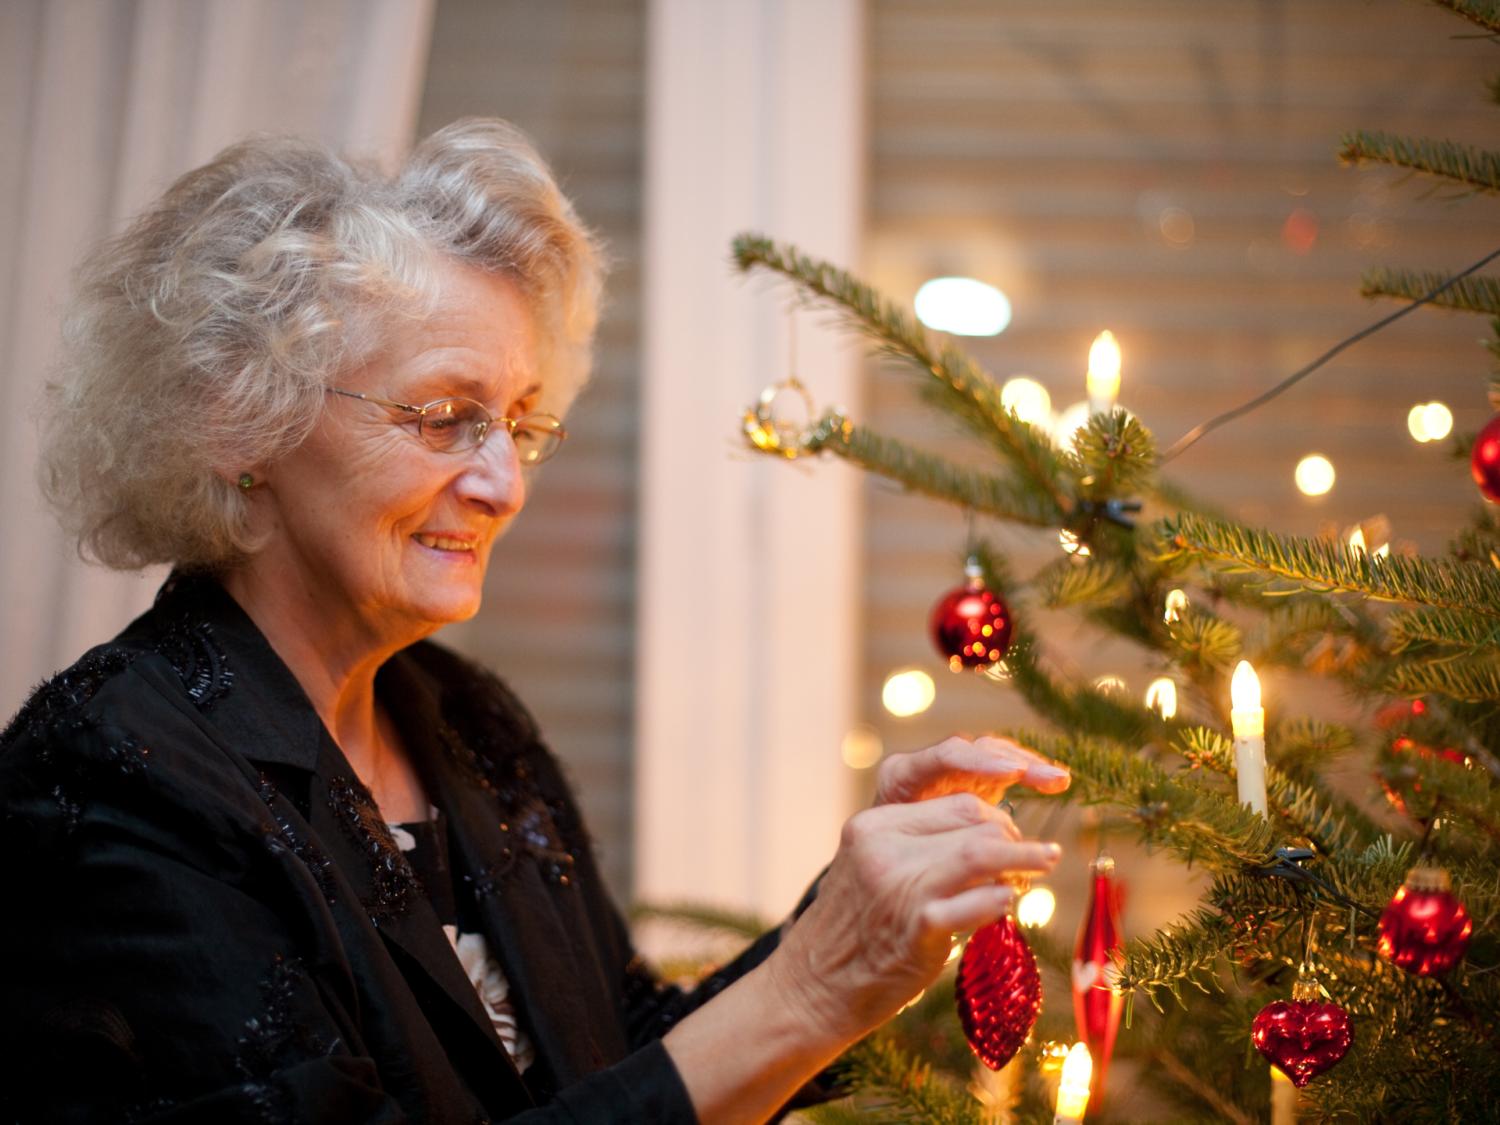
102 104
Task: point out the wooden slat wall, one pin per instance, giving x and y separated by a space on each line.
557 616
1035 145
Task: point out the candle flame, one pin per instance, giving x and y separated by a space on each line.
1357 541
1244 688
1103 380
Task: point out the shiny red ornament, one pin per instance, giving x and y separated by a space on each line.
971 625
1484 461
999 991
1424 929
1097 1005
1303 1036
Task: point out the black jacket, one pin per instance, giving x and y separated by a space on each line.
205 918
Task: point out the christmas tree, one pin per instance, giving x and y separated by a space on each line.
1348 934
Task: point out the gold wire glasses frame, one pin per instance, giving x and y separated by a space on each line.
457 425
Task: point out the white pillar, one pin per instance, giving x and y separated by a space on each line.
748 634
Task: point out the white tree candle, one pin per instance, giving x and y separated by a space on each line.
1249 721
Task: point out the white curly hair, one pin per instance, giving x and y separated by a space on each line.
201 338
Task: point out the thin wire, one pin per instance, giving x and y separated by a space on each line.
1192 436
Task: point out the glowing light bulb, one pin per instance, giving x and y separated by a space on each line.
861 747
1177 603
1314 475
1161 697
1028 398
1103 379
963 306
1036 907
1073 1090
908 692
1109 685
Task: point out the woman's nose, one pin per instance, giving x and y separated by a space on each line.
492 477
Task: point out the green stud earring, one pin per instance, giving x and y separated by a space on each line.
246 482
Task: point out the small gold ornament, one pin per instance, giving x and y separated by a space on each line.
770 434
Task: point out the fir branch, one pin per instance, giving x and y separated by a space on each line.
1328 566
1474 167
1469 294
1078 580
897 333
1308 741
1472 678
1182 952
1418 630
905 1090
932 475
1186 1077
1117 453
1485 13
1301 806
1177 811
1083 710
1202 641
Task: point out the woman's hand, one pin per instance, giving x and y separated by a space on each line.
921 865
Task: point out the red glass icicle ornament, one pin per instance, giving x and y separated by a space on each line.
999 991
1305 1035
971 625
1484 461
1096 1005
1424 928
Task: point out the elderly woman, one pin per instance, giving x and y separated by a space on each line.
271 855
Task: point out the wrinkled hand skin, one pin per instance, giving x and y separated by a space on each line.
911 871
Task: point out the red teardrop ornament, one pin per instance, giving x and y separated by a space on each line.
999 991
1484 460
971 625
1303 1036
1097 1006
1425 929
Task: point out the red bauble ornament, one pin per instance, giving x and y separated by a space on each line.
1424 929
1097 1005
1484 461
1303 1036
971 625
999 991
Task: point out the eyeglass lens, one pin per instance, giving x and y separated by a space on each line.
456 424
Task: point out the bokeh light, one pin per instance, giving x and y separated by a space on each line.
908 692
1315 475
862 747
1429 421
1028 398
1161 697
1036 907
963 306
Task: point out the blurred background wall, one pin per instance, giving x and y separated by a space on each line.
1162 170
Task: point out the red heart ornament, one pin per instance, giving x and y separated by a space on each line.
999 991
1302 1038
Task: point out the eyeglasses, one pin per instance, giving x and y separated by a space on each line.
457 425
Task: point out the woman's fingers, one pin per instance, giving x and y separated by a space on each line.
984 766
969 909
